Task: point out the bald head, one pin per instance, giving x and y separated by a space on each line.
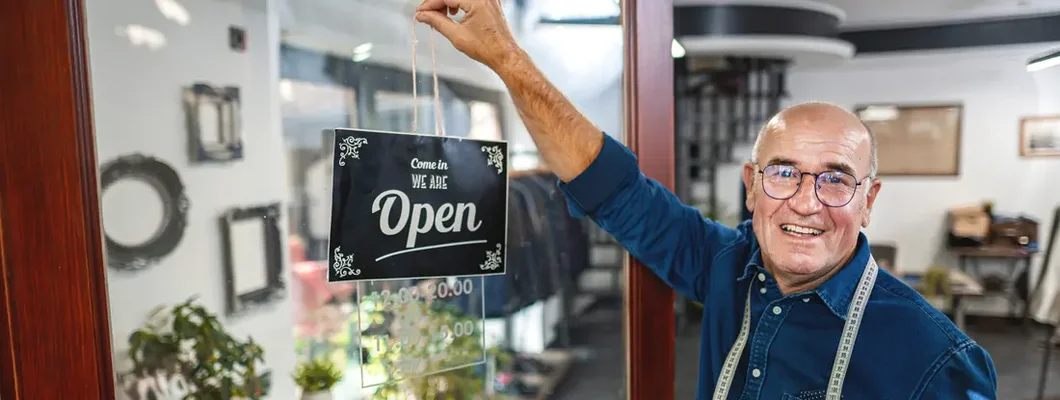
818 116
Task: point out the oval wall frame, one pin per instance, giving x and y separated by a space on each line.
165 181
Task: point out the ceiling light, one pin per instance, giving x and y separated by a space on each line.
286 90
362 52
140 35
676 49
1043 62
364 48
173 11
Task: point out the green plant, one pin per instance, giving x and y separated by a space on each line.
317 376
189 341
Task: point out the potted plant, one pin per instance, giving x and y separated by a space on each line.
188 344
316 378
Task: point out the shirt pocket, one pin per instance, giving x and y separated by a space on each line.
807 395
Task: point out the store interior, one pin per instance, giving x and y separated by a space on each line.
213 124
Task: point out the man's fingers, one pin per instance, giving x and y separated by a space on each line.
440 22
431 5
441 5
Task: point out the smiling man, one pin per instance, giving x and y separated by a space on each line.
786 295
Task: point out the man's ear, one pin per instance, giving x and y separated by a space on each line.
749 175
870 199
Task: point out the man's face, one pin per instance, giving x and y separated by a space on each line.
813 145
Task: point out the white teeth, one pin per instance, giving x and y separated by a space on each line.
802 230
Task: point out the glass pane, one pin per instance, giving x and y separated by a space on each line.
215 124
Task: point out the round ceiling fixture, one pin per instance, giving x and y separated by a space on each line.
804 32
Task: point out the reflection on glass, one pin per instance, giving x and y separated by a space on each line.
302 68
484 121
395 112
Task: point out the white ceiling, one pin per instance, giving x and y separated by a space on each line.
866 13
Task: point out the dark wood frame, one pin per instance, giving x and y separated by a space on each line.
271 243
226 100
1023 136
960 133
170 190
55 340
648 102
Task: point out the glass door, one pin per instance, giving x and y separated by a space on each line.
203 193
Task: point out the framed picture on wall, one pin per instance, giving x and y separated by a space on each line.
922 140
1040 136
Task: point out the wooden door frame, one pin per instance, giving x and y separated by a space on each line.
648 102
54 325
55 340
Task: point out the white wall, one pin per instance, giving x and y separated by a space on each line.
996 90
137 107
585 63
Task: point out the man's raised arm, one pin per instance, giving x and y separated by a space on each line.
601 177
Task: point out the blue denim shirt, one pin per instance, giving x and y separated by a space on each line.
905 349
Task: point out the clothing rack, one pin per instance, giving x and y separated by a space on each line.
606 254
547 252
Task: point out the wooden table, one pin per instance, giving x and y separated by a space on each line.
961 286
1018 259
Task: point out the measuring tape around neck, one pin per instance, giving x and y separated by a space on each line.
843 352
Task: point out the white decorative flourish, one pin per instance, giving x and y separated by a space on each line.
493 259
349 148
496 158
343 264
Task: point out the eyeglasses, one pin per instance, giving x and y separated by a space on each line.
833 188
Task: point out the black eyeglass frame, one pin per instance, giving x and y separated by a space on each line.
816 176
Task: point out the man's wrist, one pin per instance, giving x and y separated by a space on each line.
512 62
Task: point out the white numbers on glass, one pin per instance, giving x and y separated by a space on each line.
432 291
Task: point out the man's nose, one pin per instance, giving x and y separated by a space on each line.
805 200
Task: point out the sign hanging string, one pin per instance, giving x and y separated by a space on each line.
439 126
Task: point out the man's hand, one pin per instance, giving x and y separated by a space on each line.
482 34
567 141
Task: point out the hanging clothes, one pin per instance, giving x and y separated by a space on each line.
547 248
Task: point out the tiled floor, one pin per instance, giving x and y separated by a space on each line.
601 372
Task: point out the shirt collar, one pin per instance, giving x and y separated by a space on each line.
838 290
753 263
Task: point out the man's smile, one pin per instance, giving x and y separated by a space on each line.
800 230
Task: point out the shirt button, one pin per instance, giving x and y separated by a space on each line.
756 373
761 277
776 310
762 290
805 299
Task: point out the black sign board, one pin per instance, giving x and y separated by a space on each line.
417 206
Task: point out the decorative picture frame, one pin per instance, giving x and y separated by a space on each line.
915 139
167 184
253 266
1040 136
208 140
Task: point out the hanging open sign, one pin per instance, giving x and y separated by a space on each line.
417 206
